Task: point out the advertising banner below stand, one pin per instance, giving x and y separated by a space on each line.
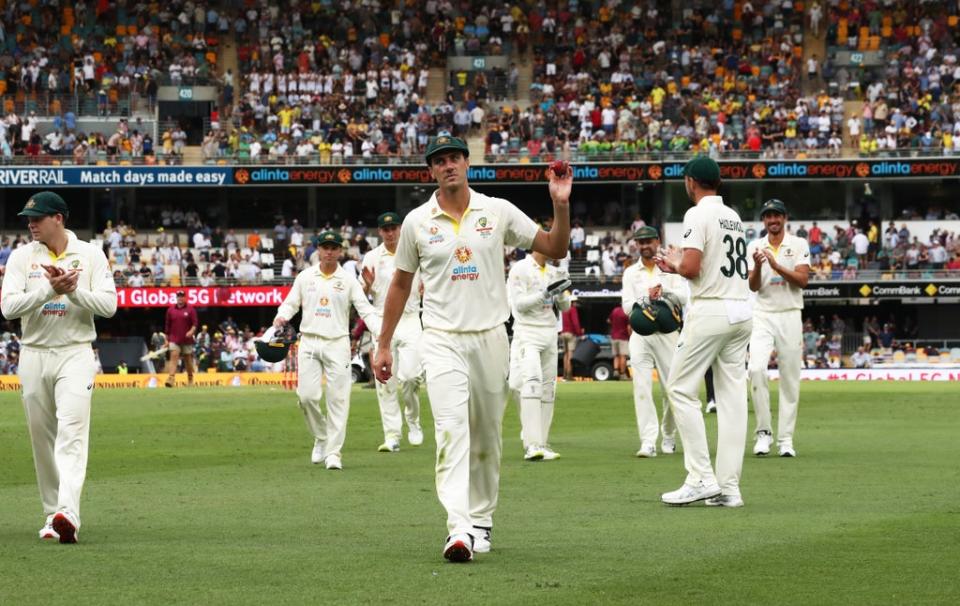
927 374
203 296
153 381
816 291
584 171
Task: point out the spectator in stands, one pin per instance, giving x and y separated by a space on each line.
861 359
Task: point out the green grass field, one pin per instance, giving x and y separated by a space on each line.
208 497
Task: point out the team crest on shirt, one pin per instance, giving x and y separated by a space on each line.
338 286
463 254
787 252
482 227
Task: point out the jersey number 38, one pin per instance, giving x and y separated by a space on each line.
736 257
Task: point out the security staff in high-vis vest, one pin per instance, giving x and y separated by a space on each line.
56 285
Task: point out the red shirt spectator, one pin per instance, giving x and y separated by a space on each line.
571 322
619 324
181 319
815 236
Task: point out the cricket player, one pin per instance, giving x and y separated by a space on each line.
181 326
779 271
536 290
324 293
56 285
456 241
377 272
715 333
645 280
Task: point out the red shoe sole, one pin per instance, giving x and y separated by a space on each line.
66 530
458 552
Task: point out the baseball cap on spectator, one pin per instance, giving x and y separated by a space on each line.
446 143
43 204
773 206
329 237
646 233
387 219
702 168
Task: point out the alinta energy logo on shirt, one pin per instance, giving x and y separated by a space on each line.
463 254
323 308
55 309
435 236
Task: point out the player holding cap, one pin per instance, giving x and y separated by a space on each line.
325 293
56 285
779 271
377 272
456 241
645 280
715 333
180 327
536 289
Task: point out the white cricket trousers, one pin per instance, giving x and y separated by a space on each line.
57 387
467 386
402 386
781 331
533 373
647 353
317 357
709 340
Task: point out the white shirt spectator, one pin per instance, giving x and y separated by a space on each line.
861 244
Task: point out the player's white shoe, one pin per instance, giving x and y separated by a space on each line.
764 440
389 446
458 548
66 525
47 532
647 451
548 455
786 450
481 540
333 462
316 456
415 436
689 493
711 407
533 453
725 500
668 445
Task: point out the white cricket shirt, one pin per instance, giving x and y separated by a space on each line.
461 262
383 264
525 285
49 319
325 301
776 294
638 279
716 230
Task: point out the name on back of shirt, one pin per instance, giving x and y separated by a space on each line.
731 225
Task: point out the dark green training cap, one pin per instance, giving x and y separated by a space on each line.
773 206
446 143
329 237
43 204
388 219
646 233
702 168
